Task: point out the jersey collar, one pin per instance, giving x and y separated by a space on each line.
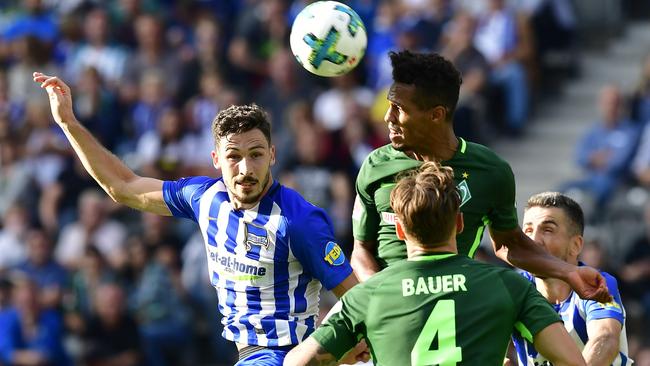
432 257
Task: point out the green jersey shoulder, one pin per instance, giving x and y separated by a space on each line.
484 180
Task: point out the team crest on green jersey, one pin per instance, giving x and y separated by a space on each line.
465 194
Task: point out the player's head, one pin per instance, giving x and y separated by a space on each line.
422 98
427 205
243 152
556 222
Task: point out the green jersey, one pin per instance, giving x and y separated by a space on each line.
485 182
443 309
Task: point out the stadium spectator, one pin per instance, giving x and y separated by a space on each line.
11 111
164 152
80 302
112 336
504 38
331 106
50 277
29 53
159 308
208 56
640 112
16 183
15 224
604 152
33 20
29 334
109 60
261 31
44 147
57 206
151 54
556 222
152 102
93 227
458 47
284 88
402 309
98 108
310 175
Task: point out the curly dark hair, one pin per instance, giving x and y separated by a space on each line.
239 119
436 80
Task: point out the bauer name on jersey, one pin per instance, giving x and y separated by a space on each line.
265 262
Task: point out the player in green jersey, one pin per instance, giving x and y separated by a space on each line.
437 307
422 101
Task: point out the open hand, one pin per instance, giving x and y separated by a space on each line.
59 95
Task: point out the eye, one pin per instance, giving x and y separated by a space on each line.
233 157
256 154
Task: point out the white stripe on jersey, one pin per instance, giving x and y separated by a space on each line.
204 221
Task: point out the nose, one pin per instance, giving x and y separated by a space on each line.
389 117
244 166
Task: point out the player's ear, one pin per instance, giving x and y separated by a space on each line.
400 230
575 245
438 114
272 152
215 159
460 223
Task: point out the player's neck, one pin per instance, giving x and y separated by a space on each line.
437 147
554 290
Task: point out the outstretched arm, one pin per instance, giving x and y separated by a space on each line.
120 182
363 259
516 248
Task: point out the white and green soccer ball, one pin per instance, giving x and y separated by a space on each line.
328 38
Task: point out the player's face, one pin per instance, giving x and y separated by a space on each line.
550 227
408 124
245 161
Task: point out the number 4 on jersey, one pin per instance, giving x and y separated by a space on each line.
441 323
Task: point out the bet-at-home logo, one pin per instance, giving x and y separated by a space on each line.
465 194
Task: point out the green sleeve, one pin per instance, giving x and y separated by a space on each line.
535 312
365 218
503 215
343 330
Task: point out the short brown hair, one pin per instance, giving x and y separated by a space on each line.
426 203
571 208
239 119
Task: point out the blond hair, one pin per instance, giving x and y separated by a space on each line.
426 203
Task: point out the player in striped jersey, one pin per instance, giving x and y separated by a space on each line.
556 221
268 249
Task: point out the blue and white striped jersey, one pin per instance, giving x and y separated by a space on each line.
576 313
265 262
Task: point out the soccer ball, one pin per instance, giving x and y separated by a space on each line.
328 38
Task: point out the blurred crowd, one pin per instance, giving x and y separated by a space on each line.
85 281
